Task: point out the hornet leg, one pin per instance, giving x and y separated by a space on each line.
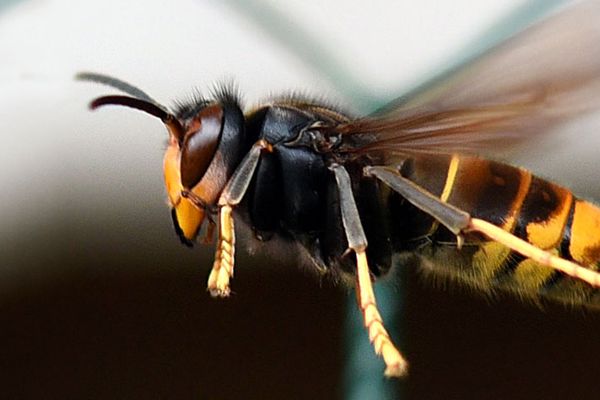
222 270
396 365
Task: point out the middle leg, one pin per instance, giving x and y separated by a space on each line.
396 365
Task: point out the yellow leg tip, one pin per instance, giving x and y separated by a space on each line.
218 282
396 370
396 365
220 293
222 270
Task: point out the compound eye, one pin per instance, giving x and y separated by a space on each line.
200 144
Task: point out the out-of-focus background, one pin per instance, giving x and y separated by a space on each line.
99 300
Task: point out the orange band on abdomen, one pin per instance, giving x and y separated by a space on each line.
585 233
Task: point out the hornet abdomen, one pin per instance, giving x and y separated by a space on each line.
540 212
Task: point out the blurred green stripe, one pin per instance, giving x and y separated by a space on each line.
313 51
6 4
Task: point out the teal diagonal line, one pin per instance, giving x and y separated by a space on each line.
314 52
6 4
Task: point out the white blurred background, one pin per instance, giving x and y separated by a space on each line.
82 204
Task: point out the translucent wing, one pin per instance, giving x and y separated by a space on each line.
530 84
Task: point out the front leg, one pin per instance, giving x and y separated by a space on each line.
222 270
396 365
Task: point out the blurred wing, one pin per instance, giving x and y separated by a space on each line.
530 84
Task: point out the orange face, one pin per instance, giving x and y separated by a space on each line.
191 153
189 217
